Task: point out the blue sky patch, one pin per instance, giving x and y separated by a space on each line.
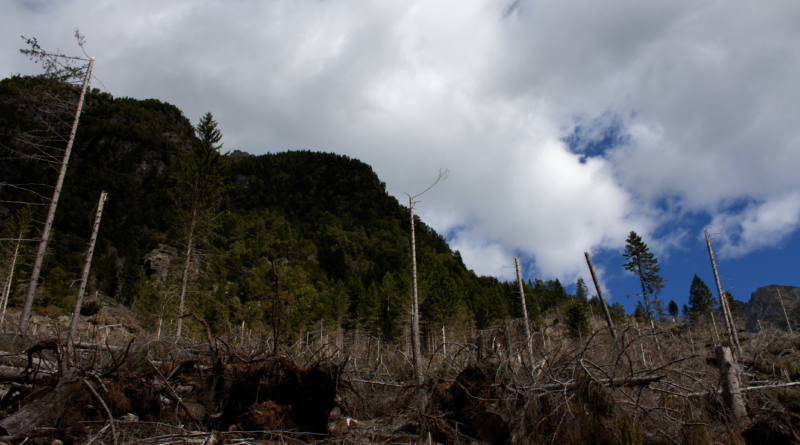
591 138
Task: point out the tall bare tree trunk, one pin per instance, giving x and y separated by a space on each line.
185 275
73 324
415 346
723 300
415 340
278 311
780 298
48 225
7 290
524 312
647 307
607 313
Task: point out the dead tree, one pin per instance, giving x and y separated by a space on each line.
415 340
609 322
788 325
73 324
37 265
524 312
731 386
185 273
23 220
723 301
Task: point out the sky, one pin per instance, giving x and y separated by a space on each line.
564 125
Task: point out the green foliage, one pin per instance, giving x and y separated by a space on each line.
734 304
576 320
90 308
701 301
345 240
643 263
617 313
581 291
672 308
639 313
595 397
628 431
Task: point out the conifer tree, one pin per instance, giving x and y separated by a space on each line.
701 300
576 320
581 291
643 263
199 190
673 308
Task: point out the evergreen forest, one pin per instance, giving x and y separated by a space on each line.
340 243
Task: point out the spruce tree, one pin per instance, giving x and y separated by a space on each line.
673 308
581 291
701 301
643 263
199 189
576 320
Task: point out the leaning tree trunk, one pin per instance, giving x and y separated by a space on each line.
415 346
528 339
25 315
780 298
185 279
7 289
609 322
73 324
647 306
723 301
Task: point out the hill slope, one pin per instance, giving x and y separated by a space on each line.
344 240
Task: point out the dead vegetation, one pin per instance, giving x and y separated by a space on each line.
484 388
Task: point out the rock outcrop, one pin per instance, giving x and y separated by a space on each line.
765 306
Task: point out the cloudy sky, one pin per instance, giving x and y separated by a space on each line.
564 125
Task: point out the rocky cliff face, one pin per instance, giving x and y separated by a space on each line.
765 306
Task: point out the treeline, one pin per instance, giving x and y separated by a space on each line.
339 241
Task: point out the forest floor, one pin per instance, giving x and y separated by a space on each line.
123 385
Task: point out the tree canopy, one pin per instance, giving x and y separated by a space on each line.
643 263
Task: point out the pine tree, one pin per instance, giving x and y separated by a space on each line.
639 313
199 190
673 308
643 263
701 301
576 320
617 312
581 291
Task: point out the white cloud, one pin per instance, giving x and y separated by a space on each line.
707 93
758 226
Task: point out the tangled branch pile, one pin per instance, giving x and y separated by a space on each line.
646 387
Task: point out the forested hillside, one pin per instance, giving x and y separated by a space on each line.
341 243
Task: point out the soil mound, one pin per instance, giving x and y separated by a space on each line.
473 403
305 396
778 428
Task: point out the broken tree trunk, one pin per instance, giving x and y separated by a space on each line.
609 322
731 388
415 346
780 298
524 312
729 325
37 264
7 289
185 275
73 324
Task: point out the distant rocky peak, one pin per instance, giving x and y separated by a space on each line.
765 306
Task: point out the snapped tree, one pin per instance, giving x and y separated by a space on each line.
62 69
198 192
416 350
